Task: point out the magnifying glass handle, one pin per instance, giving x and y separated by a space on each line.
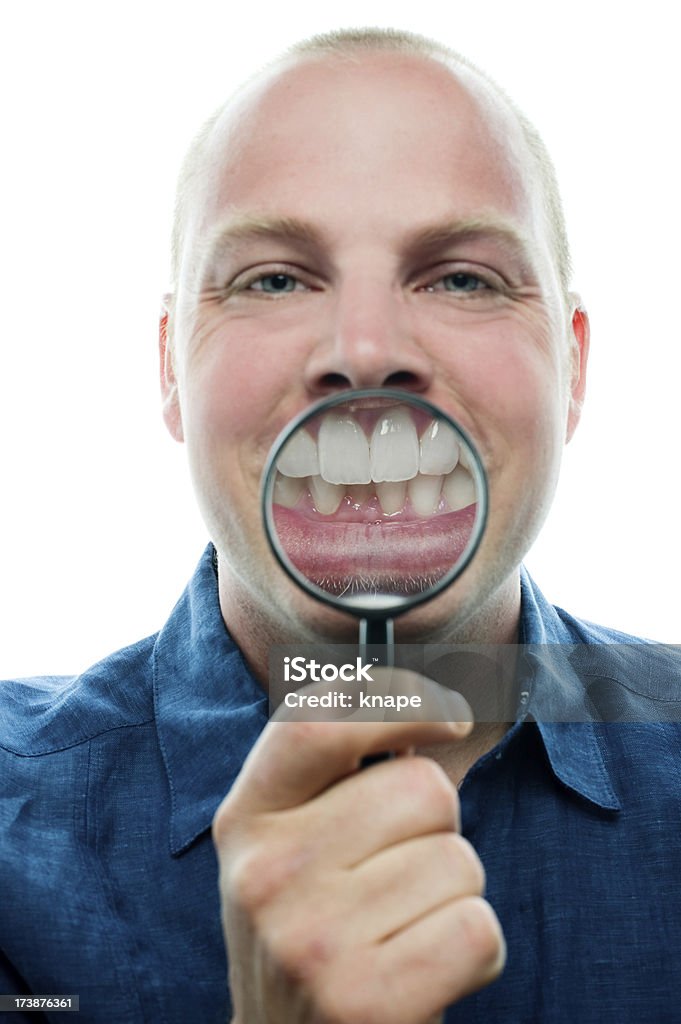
377 641
377 646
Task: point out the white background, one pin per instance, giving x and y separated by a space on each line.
98 531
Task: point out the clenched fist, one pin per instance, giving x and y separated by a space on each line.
348 894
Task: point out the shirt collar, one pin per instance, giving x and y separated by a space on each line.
209 709
573 747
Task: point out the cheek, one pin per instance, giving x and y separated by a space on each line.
252 363
523 369
512 375
527 398
531 414
226 388
219 404
237 393
521 394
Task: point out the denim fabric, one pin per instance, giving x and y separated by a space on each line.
108 879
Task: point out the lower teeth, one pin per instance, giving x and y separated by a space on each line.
392 496
427 495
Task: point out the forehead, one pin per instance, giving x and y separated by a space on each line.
387 140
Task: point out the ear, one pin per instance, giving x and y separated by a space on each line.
172 413
580 334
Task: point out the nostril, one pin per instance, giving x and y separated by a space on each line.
402 379
399 379
333 381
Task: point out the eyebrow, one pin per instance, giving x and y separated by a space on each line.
247 228
491 228
424 240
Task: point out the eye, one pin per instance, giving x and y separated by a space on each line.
270 282
275 284
459 282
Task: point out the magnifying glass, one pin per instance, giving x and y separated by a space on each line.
374 501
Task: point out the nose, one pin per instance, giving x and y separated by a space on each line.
369 341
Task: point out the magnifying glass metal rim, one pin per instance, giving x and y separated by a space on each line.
402 604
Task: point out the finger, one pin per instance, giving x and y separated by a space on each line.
398 800
448 954
382 896
427 872
294 761
438 960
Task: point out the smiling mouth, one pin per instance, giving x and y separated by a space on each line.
374 500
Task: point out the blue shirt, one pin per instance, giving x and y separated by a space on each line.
108 877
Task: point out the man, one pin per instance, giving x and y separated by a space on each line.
370 212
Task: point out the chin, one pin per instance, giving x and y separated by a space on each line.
313 621
469 610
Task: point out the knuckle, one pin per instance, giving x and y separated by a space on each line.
270 865
464 861
224 822
302 947
340 1001
430 784
484 938
251 883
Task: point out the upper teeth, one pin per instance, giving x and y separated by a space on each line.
343 450
440 450
299 457
342 455
394 447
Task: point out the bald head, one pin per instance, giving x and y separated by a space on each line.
352 50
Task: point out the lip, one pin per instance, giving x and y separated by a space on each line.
402 554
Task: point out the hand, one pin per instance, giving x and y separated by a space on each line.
348 896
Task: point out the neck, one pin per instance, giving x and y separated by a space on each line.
292 618
456 759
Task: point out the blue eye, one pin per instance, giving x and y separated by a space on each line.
275 284
462 282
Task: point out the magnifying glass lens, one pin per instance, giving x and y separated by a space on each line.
374 500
